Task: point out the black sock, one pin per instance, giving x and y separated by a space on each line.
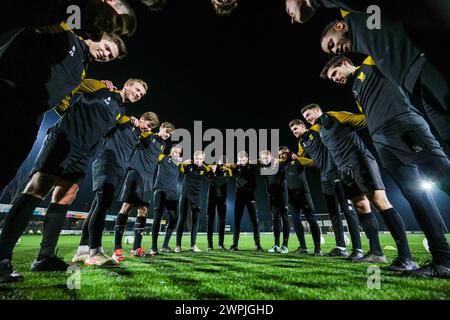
139 227
167 238
370 225
119 229
300 231
396 227
104 200
16 222
53 224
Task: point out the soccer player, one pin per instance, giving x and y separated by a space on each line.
299 197
63 160
406 147
37 71
245 173
219 177
274 178
194 176
362 180
137 189
109 171
310 143
166 197
398 59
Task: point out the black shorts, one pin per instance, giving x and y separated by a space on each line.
107 173
59 158
327 182
405 140
137 188
164 199
277 197
361 177
193 201
299 199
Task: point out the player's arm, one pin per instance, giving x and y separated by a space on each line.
350 119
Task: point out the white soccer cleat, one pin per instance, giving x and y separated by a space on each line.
177 249
80 257
284 249
194 248
100 259
274 249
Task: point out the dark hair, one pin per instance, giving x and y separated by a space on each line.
119 42
334 62
224 7
309 107
283 148
328 28
296 122
155 5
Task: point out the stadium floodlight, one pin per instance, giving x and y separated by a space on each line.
427 185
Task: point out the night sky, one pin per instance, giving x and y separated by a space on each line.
253 69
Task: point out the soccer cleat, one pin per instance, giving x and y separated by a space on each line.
317 252
222 248
284 249
355 255
177 249
7 274
274 249
402 264
139 252
259 248
49 264
301 250
80 257
336 252
234 248
167 250
152 253
118 255
100 259
369 257
194 248
209 249
430 270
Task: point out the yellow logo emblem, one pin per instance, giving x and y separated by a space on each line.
362 76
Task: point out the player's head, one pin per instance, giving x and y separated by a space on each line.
298 127
335 38
166 130
265 157
176 151
300 11
148 121
110 47
283 152
224 7
339 69
242 158
134 90
199 158
108 16
312 112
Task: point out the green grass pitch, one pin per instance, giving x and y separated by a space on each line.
222 275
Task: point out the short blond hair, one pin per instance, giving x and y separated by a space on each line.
198 152
168 125
132 81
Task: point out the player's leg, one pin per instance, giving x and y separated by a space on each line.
17 221
239 206
336 221
252 210
172 208
83 247
119 230
428 217
195 211
160 203
63 195
371 228
286 227
210 217
437 169
276 223
352 220
97 256
139 228
222 213
307 206
183 211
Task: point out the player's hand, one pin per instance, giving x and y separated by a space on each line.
109 85
294 156
300 11
134 121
